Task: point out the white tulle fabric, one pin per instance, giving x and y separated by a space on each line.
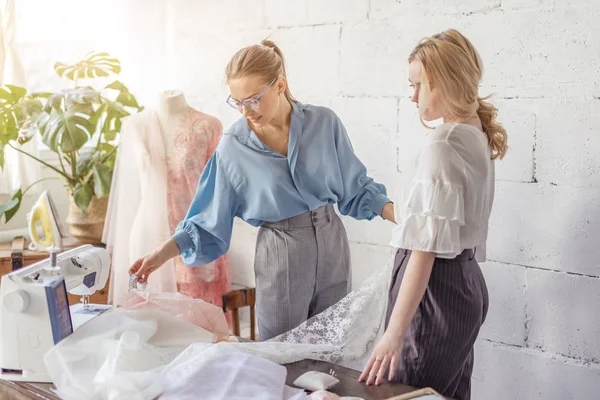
137 355
196 311
137 216
236 376
120 355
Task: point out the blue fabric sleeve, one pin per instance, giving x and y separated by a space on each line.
363 198
205 233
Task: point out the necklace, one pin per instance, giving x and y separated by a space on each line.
286 139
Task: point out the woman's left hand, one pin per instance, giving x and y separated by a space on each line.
385 355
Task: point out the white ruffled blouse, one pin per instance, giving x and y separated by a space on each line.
448 206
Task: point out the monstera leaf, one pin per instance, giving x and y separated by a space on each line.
9 129
31 117
10 98
84 161
112 123
29 107
68 98
10 207
102 179
69 130
10 95
82 195
38 124
93 66
55 102
82 95
108 155
124 97
10 111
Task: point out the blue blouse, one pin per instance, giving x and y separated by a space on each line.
244 178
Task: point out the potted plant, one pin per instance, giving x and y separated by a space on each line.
81 125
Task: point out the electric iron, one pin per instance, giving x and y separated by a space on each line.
44 217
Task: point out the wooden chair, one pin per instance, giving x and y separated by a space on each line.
236 299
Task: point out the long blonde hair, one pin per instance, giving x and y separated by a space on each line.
264 60
451 64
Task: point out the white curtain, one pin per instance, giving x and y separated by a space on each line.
19 171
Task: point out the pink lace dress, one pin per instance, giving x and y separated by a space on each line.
195 141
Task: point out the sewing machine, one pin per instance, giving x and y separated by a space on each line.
34 308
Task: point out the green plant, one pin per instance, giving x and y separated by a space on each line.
81 125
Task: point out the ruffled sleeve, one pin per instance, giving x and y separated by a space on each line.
434 210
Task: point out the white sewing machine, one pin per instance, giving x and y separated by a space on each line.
34 308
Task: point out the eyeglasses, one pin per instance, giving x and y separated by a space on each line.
251 103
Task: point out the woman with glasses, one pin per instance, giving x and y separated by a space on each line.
281 167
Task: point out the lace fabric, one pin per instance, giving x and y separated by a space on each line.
343 334
138 354
193 142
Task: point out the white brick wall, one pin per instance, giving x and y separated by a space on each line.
507 315
546 226
313 12
541 339
519 120
568 305
569 153
509 372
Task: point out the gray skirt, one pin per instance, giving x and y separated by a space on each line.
302 267
438 346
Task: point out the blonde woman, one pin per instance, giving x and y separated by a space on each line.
438 298
282 166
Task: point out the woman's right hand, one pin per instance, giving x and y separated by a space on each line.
144 266
388 212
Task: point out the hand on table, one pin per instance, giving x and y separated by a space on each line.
385 355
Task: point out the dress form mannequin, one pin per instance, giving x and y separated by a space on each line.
160 158
171 106
191 138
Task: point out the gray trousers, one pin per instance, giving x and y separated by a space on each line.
302 267
438 346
